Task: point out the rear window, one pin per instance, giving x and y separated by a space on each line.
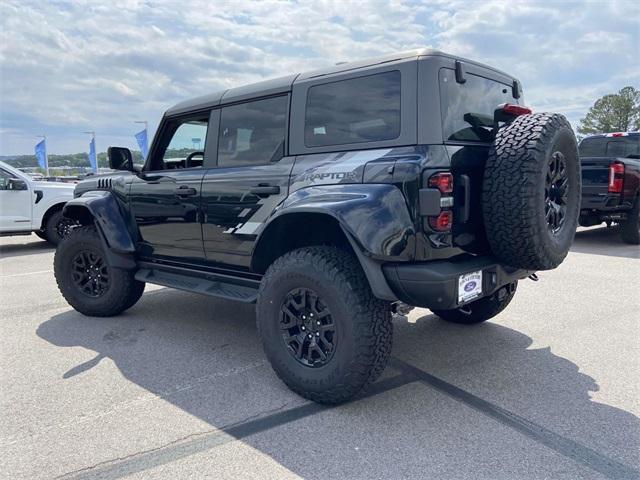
610 146
467 108
363 109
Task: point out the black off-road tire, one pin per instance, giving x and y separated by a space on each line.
480 310
56 226
515 196
122 292
41 234
630 228
363 323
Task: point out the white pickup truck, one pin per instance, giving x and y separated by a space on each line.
28 206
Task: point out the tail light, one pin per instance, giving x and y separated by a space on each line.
616 177
515 110
442 222
443 181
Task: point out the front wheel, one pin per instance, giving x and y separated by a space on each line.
56 227
325 334
480 310
630 228
87 281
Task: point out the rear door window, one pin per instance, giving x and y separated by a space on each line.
363 109
467 108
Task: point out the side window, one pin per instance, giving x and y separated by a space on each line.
186 147
363 109
252 133
4 180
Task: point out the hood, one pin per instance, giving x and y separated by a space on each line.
54 186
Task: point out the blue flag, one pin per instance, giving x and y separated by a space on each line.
141 138
92 155
41 154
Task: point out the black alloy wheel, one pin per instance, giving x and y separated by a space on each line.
90 273
64 227
308 329
555 192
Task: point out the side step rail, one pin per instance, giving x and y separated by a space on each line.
243 290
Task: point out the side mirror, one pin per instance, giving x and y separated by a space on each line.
17 184
120 158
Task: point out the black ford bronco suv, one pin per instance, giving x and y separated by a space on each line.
330 198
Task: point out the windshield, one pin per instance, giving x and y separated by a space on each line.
610 146
467 108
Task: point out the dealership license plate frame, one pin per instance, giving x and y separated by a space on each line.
469 286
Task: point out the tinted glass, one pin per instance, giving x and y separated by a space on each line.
609 146
467 108
364 109
253 133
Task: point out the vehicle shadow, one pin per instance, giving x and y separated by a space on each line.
33 247
603 241
203 356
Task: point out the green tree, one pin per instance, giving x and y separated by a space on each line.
617 112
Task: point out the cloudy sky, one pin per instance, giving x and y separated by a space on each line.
67 67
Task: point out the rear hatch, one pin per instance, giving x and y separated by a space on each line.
467 111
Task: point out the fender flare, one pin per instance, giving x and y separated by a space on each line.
374 218
102 209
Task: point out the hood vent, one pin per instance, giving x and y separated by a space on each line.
104 183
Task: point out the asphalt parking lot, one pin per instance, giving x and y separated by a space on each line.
178 386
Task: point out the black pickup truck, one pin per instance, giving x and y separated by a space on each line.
611 182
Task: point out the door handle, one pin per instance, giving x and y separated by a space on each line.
184 191
265 190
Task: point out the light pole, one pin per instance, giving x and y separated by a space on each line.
93 140
46 155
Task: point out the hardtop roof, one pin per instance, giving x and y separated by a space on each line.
283 84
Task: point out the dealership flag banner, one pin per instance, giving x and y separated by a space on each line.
141 138
41 154
92 155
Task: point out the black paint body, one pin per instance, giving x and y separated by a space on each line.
215 218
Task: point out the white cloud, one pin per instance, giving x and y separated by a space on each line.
71 66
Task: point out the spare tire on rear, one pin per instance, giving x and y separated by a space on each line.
531 191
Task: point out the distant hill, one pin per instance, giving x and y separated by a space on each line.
68 160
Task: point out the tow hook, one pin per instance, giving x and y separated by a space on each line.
533 277
400 308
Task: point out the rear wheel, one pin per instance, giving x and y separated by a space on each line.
531 192
325 334
480 310
630 228
87 281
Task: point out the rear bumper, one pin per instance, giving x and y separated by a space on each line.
434 284
602 201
